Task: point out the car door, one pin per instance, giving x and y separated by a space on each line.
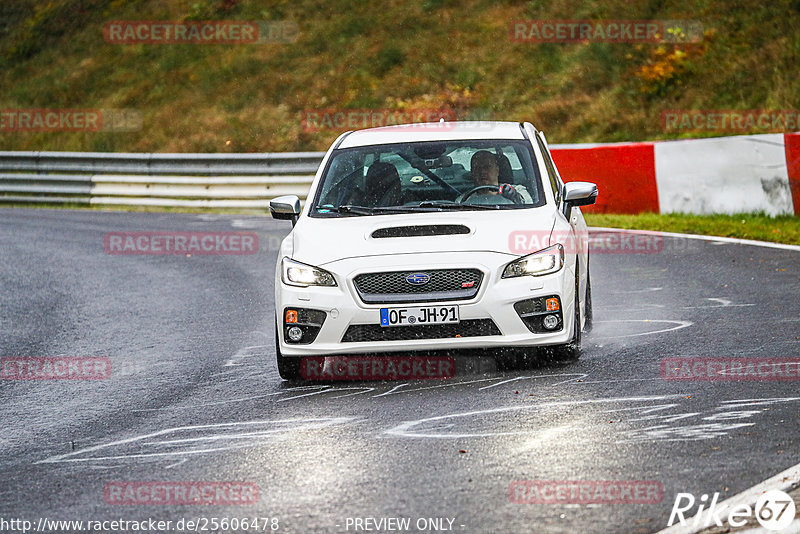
574 217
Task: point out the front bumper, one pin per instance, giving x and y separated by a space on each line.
488 320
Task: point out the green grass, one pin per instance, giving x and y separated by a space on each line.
782 229
386 55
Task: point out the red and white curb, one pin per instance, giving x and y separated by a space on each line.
738 174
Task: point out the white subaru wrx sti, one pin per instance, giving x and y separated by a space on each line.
430 237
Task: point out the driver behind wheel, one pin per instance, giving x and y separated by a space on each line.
485 172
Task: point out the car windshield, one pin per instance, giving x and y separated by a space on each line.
429 176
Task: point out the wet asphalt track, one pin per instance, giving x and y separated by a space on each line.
195 395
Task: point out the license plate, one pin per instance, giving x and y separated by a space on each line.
419 316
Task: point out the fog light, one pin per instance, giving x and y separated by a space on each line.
550 321
295 334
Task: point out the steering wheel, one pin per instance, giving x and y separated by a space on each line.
496 188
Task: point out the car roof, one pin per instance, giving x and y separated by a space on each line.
433 131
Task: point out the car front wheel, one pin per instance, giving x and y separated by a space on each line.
589 315
288 368
572 350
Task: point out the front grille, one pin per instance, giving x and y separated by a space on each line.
444 284
468 328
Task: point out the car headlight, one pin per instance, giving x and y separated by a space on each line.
546 261
299 274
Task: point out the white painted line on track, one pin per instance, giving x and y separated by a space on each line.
758 402
396 389
645 290
176 464
407 428
575 376
717 239
782 481
680 324
228 432
617 380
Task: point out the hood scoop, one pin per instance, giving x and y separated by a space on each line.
420 230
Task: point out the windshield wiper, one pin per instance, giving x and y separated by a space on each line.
442 204
363 210
427 205
346 208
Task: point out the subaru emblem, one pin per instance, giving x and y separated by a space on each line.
418 279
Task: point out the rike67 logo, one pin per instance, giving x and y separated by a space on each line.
774 510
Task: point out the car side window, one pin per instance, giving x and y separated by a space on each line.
551 170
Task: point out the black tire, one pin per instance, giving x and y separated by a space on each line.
589 315
570 351
288 368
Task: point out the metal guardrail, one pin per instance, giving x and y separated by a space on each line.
178 180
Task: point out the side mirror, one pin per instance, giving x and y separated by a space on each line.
286 208
580 193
